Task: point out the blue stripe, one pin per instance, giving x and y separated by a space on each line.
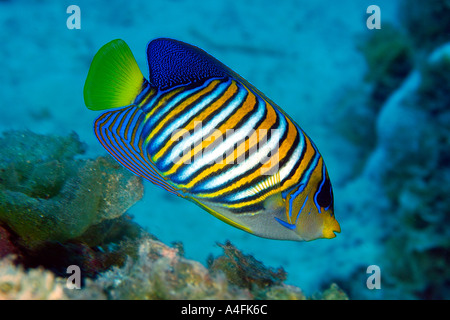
125 116
107 129
223 179
294 225
301 209
301 187
184 117
285 224
116 147
186 173
155 118
151 103
320 188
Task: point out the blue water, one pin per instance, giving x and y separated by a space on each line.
301 54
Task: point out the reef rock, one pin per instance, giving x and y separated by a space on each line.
247 272
34 284
414 134
47 195
161 272
405 203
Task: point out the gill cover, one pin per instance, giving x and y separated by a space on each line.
310 207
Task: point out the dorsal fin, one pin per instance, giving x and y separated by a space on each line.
172 63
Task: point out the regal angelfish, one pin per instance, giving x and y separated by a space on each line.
200 131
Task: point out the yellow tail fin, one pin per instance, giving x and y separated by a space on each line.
114 79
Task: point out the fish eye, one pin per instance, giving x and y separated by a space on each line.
325 196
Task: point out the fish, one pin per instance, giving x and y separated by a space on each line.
200 131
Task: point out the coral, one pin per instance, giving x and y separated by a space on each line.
392 54
432 93
417 178
389 56
47 195
34 284
157 271
426 21
332 293
56 210
406 182
419 166
119 242
247 272
401 130
160 272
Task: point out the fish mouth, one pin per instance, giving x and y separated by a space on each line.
330 230
338 227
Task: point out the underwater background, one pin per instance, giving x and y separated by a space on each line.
376 102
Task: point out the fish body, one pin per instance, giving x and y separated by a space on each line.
200 131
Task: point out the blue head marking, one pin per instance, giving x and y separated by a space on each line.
174 63
295 195
286 224
324 196
292 226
